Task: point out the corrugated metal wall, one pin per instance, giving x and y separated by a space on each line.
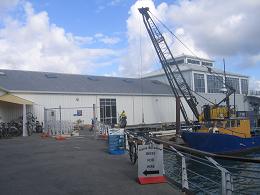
9 111
155 108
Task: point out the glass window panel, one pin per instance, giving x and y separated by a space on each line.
233 82
102 112
114 121
180 61
190 61
215 83
199 83
207 63
108 121
108 113
113 111
244 86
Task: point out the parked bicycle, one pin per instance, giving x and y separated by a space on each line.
15 127
134 140
10 129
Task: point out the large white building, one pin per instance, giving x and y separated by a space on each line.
196 72
145 101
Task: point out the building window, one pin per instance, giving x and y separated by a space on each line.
215 83
199 83
176 62
233 82
207 63
190 61
244 86
108 111
180 61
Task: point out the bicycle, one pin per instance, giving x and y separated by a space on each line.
134 140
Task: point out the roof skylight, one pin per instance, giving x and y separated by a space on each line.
51 75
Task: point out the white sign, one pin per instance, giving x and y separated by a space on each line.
150 160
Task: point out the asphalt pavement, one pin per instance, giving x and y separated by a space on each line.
78 165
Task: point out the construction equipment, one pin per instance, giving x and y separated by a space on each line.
176 79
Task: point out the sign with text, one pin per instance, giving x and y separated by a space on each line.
150 164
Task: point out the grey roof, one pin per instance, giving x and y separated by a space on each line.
24 81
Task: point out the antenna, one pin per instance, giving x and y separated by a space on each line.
225 82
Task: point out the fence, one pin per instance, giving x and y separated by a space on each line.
201 172
65 120
254 92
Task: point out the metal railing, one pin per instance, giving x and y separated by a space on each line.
206 173
202 174
198 175
254 92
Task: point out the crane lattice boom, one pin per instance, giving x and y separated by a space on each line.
172 71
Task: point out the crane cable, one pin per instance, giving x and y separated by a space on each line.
209 69
141 69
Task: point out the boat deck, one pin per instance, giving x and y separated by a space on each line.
78 165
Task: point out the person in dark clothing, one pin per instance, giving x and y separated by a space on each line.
123 120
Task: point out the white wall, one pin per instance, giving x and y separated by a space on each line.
155 108
162 78
241 102
9 111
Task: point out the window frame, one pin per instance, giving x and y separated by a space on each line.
201 82
108 105
216 87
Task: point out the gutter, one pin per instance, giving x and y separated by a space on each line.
88 93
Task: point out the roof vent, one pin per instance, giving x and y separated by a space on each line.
2 74
127 80
51 75
92 78
156 82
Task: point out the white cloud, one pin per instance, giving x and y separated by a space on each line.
7 4
37 44
140 45
110 40
213 29
114 2
220 28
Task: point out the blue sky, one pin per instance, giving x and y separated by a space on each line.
103 37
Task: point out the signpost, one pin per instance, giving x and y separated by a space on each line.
150 164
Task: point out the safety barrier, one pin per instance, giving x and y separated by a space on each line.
206 173
101 130
116 143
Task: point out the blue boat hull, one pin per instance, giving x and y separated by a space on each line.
220 143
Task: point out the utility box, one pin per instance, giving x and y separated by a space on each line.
116 141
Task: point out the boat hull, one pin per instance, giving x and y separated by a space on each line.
220 143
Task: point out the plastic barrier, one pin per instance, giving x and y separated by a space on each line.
116 141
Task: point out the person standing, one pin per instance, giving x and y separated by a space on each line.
123 120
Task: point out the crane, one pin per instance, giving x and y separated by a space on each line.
172 71
176 79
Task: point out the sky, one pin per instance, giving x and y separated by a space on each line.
107 37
